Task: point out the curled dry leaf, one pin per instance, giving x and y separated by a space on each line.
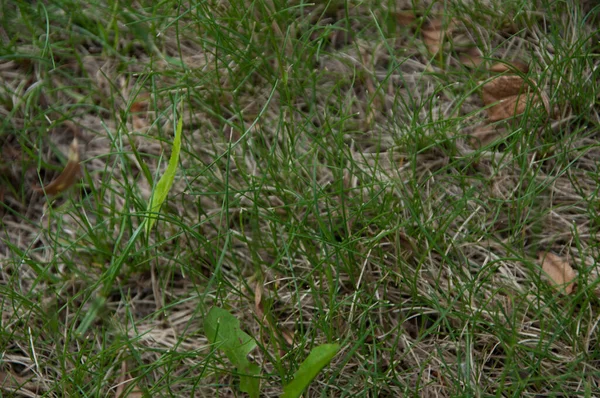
505 97
485 134
434 33
559 271
287 335
69 174
515 66
471 58
509 95
258 305
405 18
406 245
123 383
502 87
507 108
259 310
137 109
139 106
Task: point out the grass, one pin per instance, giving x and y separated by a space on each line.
326 168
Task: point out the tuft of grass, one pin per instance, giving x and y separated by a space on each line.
327 193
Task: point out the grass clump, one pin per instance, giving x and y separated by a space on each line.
339 181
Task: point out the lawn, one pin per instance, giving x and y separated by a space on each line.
196 197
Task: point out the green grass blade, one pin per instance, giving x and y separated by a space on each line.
166 181
90 315
223 330
318 358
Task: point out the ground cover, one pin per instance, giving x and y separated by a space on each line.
416 182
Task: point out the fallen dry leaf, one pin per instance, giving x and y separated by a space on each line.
515 66
406 246
69 174
288 336
434 33
471 58
509 95
485 134
507 108
268 321
258 305
559 271
139 106
137 110
405 18
123 384
502 87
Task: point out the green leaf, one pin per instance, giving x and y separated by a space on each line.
312 365
162 188
223 330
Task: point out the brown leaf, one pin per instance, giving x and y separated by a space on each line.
434 33
485 134
433 36
231 133
559 270
515 66
288 336
471 58
69 174
405 18
138 110
139 106
123 383
258 305
545 101
508 96
502 87
507 108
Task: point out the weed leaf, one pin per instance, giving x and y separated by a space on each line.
162 188
223 330
318 358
